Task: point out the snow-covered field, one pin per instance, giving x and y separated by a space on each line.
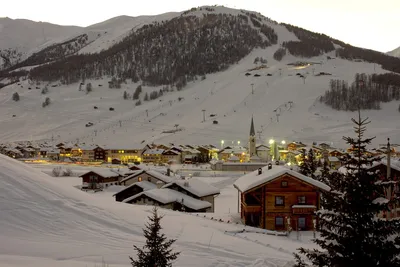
46 221
226 94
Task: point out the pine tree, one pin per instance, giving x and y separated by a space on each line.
125 96
351 232
146 97
312 163
325 172
89 88
157 251
304 168
15 97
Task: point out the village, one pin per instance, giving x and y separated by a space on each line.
271 193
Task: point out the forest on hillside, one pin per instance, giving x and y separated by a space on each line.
167 53
365 92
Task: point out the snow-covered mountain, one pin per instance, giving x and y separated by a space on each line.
45 222
395 52
19 37
231 63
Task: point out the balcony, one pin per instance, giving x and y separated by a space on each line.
303 209
251 209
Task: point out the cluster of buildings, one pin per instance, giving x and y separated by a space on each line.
150 187
141 153
227 158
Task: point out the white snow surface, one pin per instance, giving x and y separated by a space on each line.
45 222
226 94
253 179
395 52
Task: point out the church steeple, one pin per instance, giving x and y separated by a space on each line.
252 139
252 131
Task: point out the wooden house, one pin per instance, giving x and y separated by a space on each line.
277 198
99 179
149 175
169 199
99 154
153 156
171 156
134 189
334 163
196 189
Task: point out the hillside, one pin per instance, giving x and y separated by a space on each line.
43 222
395 52
208 58
19 37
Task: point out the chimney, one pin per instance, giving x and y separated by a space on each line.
259 171
269 166
168 172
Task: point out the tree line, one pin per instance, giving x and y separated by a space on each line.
166 53
365 92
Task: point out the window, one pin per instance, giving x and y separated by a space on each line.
279 201
279 222
301 200
139 179
302 223
284 184
149 179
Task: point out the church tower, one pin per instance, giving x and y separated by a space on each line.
252 139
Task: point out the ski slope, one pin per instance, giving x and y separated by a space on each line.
45 223
227 94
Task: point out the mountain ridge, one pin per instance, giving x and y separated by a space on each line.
395 52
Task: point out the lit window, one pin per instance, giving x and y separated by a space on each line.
279 201
301 199
140 179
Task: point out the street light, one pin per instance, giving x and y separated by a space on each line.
271 141
238 142
283 142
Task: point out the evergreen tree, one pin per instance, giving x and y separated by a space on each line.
137 92
312 163
351 232
125 95
45 90
89 88
146 97
303 167
15 97
325 172
157 251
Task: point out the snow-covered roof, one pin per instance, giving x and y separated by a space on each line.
154 151
393 164
145 185
155 174
124 171
253 179
166 196
103 173
234 158
195 186
333 159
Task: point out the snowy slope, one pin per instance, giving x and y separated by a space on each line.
26 35
226 94
46 223
395 52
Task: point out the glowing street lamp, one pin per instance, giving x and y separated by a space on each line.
283 142
238 142
271 141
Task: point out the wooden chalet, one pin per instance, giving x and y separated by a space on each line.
149 175
277 198
196 189
134 189
99 179
169 199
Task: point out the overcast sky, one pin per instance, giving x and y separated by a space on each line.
366 23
